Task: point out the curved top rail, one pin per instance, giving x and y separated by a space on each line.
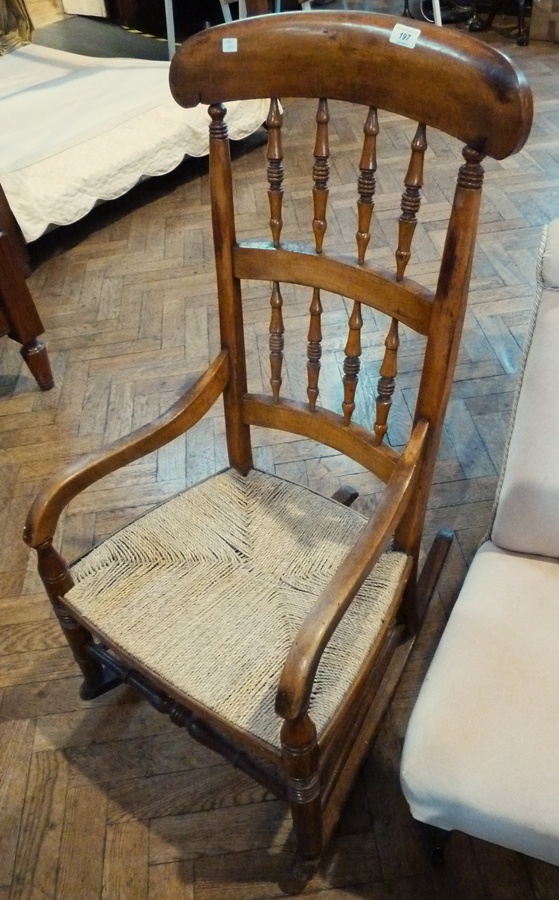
448 80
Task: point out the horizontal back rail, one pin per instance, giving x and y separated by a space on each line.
324 426
372 285
476 84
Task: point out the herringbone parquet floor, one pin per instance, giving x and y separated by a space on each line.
108 799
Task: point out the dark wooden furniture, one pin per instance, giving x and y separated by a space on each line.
258 7
247 594
10 227
191 17
478 24
18 314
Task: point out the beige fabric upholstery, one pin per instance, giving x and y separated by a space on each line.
481 753
526 519
228 571
550 256
481 749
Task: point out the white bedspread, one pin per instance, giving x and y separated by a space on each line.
77 130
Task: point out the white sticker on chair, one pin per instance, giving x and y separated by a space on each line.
229 45
404 36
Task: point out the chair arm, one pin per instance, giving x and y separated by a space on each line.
75 477
297 677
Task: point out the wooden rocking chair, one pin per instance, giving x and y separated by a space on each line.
271 622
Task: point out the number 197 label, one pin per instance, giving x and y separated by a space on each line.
404 36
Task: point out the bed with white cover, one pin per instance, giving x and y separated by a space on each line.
77 130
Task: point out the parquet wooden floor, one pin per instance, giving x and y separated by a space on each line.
108 799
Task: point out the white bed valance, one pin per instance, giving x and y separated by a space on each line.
51 102
78 130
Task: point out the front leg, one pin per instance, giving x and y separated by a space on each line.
300 759
57 580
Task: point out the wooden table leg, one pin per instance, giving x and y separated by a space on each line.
36 356
9 225
18 314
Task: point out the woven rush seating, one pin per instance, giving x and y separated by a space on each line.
272 623
215 557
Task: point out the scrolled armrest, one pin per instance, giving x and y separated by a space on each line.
300 667
75 477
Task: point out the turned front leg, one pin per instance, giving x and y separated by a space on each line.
57 580
300 758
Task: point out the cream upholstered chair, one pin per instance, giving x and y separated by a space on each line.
480 754
272 622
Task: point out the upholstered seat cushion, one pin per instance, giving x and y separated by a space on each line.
227 572
527 519
481 750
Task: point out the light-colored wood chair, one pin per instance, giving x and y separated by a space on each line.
480 754
271 622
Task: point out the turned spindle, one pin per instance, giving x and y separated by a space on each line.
352 362
276 339
387 381
314 348
411 200
320 172
366 184
274 170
